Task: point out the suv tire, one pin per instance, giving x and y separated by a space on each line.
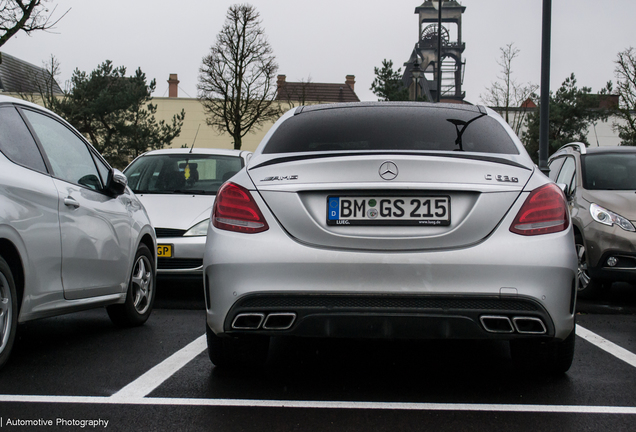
589 287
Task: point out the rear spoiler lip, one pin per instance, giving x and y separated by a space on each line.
285 159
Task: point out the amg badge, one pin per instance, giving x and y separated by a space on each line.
280 178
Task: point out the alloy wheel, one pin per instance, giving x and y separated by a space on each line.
584 277
142 284
6 312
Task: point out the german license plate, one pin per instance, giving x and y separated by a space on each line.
164 251
389 210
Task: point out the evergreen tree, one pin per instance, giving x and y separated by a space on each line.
572 110
114 112
387 84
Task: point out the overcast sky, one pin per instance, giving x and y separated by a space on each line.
328 39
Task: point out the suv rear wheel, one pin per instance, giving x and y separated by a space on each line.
588 287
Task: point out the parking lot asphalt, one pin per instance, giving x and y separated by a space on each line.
620 299
158 377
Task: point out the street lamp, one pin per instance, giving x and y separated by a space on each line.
438 6
417 74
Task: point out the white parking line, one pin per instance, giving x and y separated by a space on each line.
135 393
152 379
250 403
610 347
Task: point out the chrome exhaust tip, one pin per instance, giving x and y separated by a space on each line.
496 324
529 325
248 321
279 321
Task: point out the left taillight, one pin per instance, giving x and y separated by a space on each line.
235 210
545 211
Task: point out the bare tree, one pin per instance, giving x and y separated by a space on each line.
626 89
506 94
236 80
298 94
25 15
43 87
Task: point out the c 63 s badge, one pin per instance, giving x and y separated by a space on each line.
280 178
502 178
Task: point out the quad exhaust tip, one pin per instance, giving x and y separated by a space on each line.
521 325
496 324
529 325
248 321
273 321
279 321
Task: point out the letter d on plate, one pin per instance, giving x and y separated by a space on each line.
334 208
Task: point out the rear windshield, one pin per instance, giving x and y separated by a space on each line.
609 171
394 128
181 173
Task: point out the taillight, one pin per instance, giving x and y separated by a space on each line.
545 211
236 210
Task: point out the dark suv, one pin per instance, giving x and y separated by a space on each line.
600 184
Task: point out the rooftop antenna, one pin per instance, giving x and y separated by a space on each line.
195 138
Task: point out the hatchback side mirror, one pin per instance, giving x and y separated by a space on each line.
117 181
563 187
566 190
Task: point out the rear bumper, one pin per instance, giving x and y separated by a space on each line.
388 316
240 269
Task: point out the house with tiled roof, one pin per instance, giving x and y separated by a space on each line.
18 76
300 93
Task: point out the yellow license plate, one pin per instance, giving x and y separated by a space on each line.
164 251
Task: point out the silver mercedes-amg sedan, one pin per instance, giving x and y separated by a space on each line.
391 220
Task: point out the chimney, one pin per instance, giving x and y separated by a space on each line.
280 81
173 86
350 80
608 101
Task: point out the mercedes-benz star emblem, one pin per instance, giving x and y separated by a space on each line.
388 170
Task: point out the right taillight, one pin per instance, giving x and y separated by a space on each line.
545 211
236 210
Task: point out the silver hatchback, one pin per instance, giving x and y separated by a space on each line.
73 236
391 220
178 187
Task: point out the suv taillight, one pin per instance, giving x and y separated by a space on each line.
545 211
236 210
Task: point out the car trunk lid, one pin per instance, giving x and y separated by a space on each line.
479 192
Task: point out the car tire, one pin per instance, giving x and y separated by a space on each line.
553 357
237 352
589 287
140 296
8 311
